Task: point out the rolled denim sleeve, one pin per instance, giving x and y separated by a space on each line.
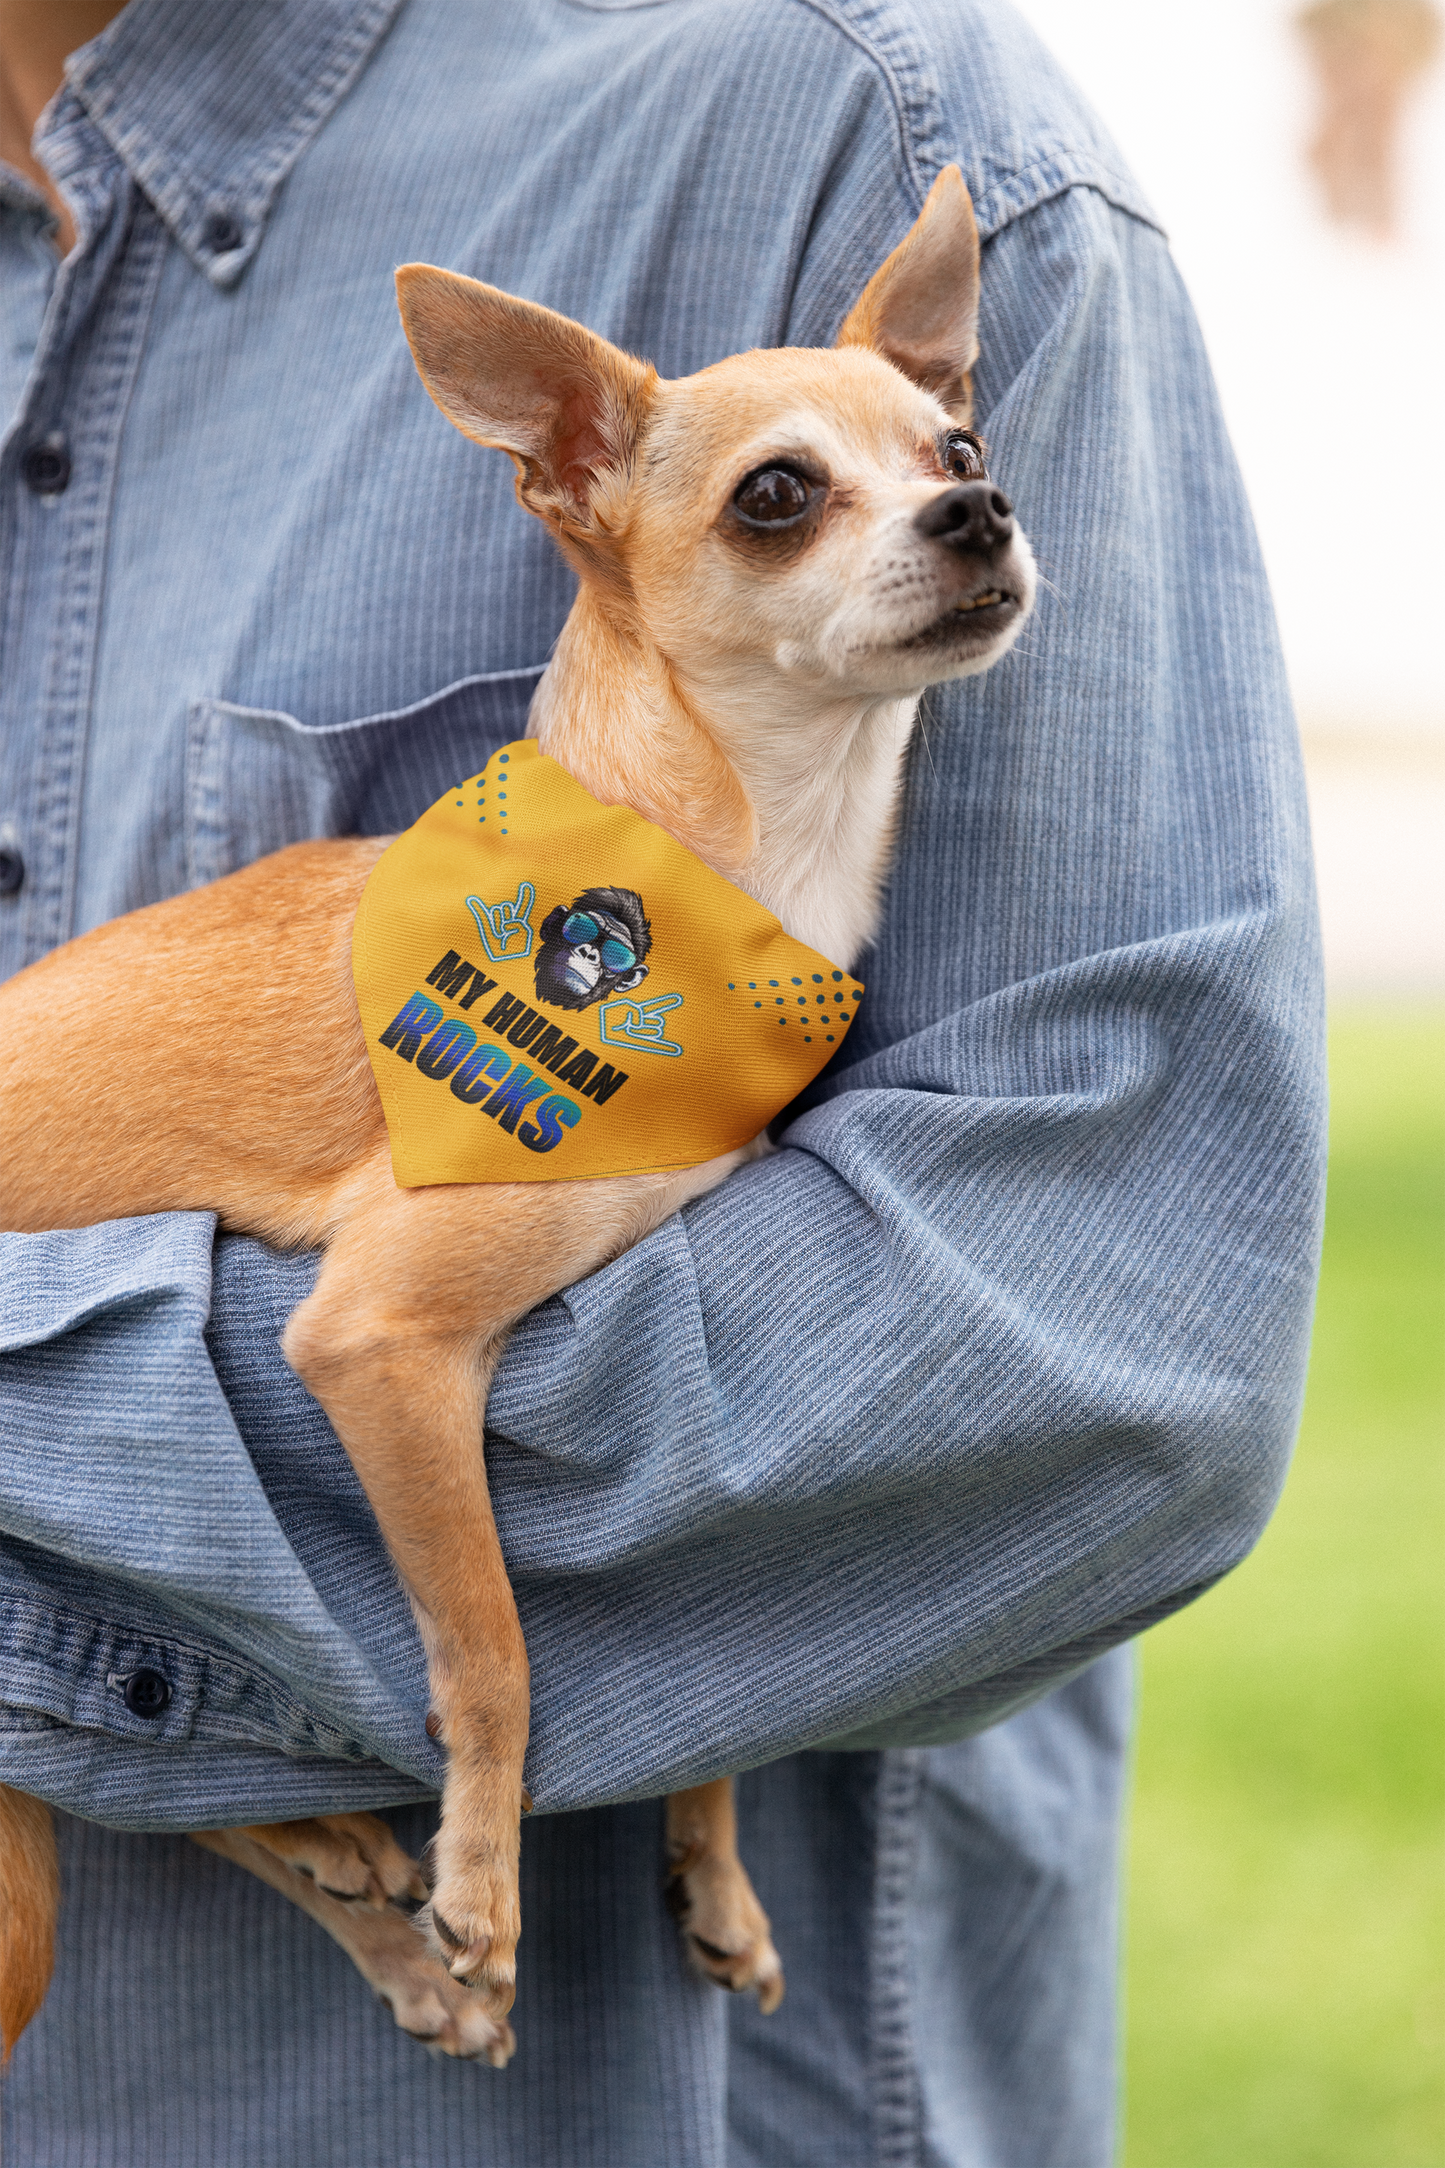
997 1360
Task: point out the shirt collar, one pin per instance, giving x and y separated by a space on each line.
210 105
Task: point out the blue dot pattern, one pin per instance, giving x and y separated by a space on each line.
842 994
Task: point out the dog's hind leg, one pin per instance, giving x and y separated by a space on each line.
351 1856
381 1942
29 1906
725 1929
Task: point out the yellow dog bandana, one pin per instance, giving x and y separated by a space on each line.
553 988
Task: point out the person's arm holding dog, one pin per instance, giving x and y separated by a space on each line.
998 1358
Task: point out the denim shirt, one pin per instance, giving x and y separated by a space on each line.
1000 1357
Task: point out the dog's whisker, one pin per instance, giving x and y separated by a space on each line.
923 733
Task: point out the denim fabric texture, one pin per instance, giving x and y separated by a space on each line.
997 1361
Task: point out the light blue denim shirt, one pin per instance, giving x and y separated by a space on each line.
1005 1348
1000 1358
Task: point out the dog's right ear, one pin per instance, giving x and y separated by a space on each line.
568 406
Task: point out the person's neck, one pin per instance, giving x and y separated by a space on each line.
36 38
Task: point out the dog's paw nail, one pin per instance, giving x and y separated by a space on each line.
503 2048
433 1724
678 1903
446 1936
467 1962
526 1800
711 1949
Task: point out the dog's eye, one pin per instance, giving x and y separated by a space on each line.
963 455
773 497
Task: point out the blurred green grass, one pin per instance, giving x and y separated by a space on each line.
1286 1934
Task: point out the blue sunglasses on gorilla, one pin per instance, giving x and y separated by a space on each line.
581 930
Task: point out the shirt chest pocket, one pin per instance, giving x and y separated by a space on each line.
257 779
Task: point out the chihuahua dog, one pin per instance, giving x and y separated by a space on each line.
776 557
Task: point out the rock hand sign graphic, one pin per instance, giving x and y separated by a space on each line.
506 928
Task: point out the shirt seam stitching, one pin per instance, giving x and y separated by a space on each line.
1091 171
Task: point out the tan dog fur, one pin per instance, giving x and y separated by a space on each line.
752 692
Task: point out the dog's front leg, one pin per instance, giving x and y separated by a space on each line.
398 1340
407 1399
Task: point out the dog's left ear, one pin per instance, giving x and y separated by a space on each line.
567 405
920 308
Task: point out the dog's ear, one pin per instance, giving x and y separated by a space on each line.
565 404
920 308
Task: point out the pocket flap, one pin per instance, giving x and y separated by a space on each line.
257 779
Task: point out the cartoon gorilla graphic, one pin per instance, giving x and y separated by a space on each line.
593 948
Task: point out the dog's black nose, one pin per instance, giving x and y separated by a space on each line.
975 517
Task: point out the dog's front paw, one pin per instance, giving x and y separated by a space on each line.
725 1930
473 1921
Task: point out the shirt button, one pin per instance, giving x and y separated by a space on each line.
46 468
147 1693
222 234
12 871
